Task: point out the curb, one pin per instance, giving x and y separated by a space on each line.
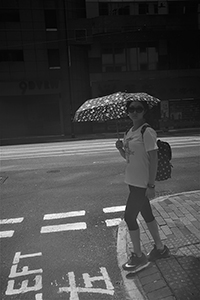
133 287
162 198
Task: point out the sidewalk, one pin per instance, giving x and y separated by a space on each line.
80 137
177 277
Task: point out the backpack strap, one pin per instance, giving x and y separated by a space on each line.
144 127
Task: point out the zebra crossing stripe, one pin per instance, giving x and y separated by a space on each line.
11 221
113 222
64 215
64 227
114 209
6 234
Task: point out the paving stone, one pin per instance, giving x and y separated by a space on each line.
154 285
196 224
167 201
155 212
194 230
166 230
190 217
173 216
183 209
160 220
170 223
159 294
178 213
185 221
194 250
152 269
152 278
185 231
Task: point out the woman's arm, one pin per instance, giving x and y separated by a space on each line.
153 165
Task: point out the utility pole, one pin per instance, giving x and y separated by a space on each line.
69 68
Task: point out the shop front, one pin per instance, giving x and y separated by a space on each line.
30 109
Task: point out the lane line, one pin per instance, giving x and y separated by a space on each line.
64 227
64 215
11 221
5 234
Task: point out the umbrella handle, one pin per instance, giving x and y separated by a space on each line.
117 127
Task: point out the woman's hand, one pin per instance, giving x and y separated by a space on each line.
150 193
119 144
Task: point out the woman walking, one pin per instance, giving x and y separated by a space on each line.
140 151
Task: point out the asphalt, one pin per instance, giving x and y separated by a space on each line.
176 277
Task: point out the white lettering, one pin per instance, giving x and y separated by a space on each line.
88 281
24 286
24 272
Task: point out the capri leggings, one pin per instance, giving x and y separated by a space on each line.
137 202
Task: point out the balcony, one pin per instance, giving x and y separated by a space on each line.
137 23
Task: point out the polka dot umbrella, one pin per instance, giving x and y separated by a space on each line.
151 101
102 108
110 107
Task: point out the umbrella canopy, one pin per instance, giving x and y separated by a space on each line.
102 108
111 107
151 101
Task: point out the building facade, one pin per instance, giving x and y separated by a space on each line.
54 55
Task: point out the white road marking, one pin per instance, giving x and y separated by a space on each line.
64 215
89 288
113 209
24 286
5 234
81 148
18 256
64 227
11 221
113 222
25 271
38 296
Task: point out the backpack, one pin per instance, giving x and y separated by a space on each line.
164 156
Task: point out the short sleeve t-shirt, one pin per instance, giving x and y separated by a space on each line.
137 157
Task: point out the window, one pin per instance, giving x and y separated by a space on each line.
53 58
142 56
120 59
114 59
143 8
103 8
11 55
50 19
9 15
107 60
114 8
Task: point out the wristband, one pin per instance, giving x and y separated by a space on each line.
151 186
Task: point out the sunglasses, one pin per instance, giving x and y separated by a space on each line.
137 109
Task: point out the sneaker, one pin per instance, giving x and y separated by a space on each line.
135 263
157 253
